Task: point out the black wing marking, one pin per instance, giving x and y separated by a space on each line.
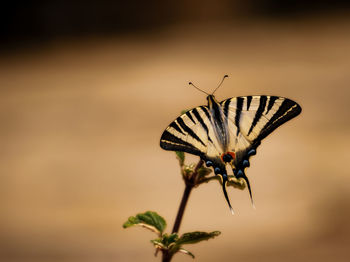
189 133
253 118
193 133
248 120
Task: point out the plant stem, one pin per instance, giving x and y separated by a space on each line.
190 184
180 213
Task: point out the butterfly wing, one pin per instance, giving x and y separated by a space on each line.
250 119
193 133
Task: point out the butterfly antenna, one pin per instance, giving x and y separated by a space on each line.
224 181
222 80
191 84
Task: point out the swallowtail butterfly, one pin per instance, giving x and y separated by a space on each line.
228 133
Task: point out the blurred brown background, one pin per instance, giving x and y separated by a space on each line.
87 87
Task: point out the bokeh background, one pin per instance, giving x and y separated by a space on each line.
87 87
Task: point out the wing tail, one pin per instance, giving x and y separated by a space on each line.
224 181
240 174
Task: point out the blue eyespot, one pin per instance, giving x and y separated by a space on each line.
209 163
246 163
239 173
252 152
217 170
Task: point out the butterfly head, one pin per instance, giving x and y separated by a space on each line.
211 100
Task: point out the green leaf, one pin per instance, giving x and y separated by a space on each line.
172 238
150 220
181 157
158 244
232 181
169 239
203 171
190 238
182 250
195 237
236 183
188 170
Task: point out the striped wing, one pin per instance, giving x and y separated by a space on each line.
192 132
250 119
247 120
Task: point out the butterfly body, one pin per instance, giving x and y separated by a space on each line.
227 133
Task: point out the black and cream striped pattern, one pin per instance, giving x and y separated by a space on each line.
233 125
257 116
189 132
251 117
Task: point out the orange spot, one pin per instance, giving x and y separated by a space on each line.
230 153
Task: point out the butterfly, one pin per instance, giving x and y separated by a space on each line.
227 133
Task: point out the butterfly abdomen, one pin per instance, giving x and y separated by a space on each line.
219 122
